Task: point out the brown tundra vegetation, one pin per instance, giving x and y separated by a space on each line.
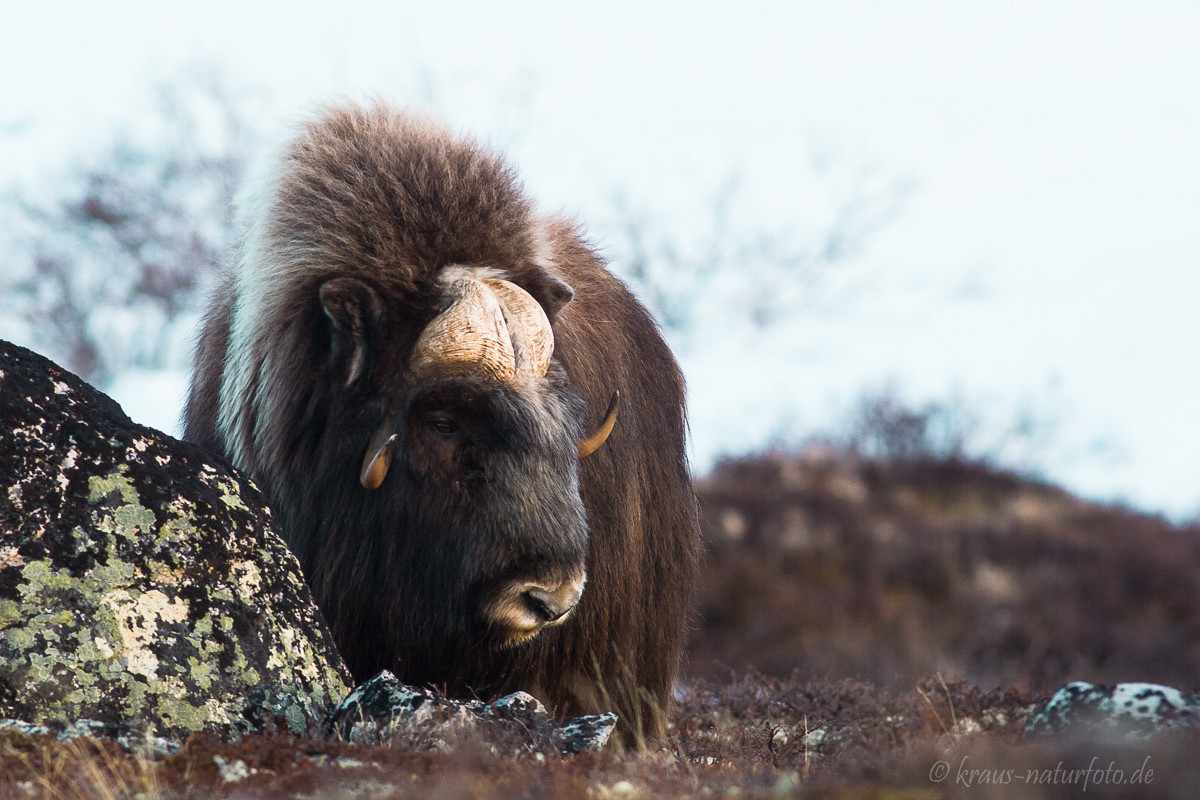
865 630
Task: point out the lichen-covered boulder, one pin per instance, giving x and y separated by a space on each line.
1128 710
141 582
384 711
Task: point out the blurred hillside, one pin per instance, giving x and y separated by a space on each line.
836 566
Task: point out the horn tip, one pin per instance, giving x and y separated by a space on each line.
592 442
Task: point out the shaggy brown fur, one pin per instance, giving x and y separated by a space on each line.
291 391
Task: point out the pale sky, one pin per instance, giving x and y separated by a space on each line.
1047 250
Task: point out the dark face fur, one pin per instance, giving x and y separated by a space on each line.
484 487
479 501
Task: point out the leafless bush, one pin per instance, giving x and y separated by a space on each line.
882 424
769 271
106 262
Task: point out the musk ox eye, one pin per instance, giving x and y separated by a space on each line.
443 427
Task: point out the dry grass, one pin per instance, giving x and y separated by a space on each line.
751 737
850 612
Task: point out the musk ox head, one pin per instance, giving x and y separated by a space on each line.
477 451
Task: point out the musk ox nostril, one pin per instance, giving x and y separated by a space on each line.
522 608
545 605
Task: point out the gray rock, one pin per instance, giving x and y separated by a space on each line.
1132 710
584 734
141 583
131 738
383 711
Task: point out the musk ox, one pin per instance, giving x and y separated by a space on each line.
414 365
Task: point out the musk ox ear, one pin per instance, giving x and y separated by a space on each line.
554 293
354 309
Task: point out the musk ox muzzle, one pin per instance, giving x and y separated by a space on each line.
523 608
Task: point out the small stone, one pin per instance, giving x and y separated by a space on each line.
965 727
1134 710
384 711
786 784
585 734
519 704
814 739
233 771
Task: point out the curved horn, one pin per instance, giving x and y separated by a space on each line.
469 336
528 326
591 443
377 460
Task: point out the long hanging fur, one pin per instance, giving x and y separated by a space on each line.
391 200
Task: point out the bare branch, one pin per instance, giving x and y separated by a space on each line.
771 271
107 266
